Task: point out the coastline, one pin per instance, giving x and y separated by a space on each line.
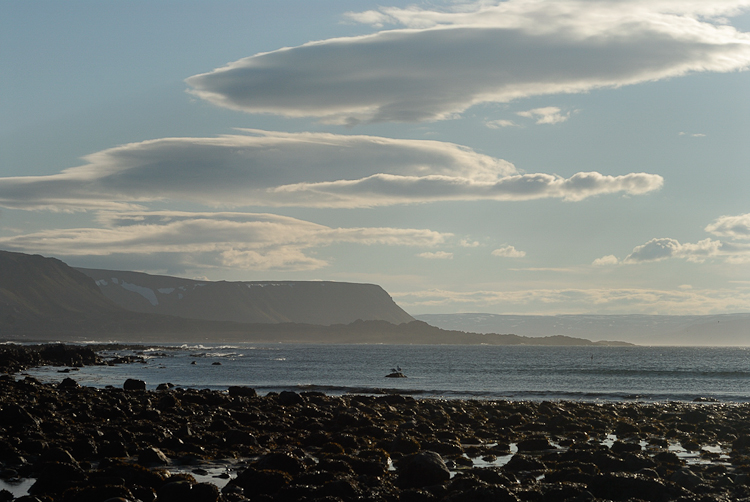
82 443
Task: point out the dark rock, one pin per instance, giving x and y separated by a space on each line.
280 462
686 478
405 444
341 488
239 391
289 398
204 492
68 383
235 437
519 462
134 384
176 491
668 458
152 456
422 469
619 447
484 494
622 486
164 386
535 443
259 482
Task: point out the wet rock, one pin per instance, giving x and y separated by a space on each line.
519 462
259 482
235 437
686 478
422 469
68 383
97 493
280 462
134 384
57 454
240 391
53 478
619 447
176 491
535 443
484 494
344 488
622 486
152 456
288 398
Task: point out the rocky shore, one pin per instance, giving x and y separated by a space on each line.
83 444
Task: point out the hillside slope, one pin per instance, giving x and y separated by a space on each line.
308 302
34 288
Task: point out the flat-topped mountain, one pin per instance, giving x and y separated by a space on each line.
308 302
45 299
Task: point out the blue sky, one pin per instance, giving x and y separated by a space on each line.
503 157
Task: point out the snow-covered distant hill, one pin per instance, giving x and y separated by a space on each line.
708 330
311 302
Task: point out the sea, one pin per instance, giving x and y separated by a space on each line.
632 374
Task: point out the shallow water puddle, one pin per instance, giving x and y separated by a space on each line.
17 488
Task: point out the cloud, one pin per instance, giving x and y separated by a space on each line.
733 227
385 189
606 261
663 248
546 115
438 255
693 135
439 63
238 240
508 252
580 300
497 124
263 168
466 243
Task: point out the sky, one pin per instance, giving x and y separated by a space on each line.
507 157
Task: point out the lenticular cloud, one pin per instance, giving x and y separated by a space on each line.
439 64
265 168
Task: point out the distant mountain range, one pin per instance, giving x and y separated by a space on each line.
45 299
708 330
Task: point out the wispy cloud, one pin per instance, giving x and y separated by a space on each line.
693 135
263 168
437 255
497 124
546 115
580 300
441 62
238 240
508 252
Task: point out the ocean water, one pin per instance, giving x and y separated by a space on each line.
468 372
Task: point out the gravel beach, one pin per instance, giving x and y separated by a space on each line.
83 444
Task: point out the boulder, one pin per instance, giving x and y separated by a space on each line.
422 469
242 391
133 384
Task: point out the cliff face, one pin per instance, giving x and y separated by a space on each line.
321 303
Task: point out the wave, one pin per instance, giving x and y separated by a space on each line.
646 373
510 395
